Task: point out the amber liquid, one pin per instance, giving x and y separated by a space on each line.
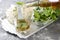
48 4
22 25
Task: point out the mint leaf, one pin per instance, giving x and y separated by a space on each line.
47 14
57 11
54 17
36 14
20 3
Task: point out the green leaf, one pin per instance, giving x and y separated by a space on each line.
36 19
23 24
57 12
47 14
54 17
38 8
20 3
36 14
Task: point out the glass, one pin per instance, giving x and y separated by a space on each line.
24 18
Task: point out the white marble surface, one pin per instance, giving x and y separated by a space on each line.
52 32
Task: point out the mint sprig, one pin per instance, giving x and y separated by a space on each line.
20 3
47 14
